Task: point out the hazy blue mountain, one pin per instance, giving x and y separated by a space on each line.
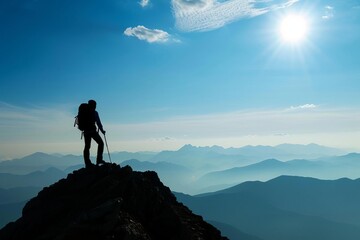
293 208
161 166
39 162
30 163
123 156
209 161
200 159
18 194
336 200
231 232
12 202
73 168
177 177
10 212
310 151
351 158
34 179
216 157
42 161
262 171
324 168
282 151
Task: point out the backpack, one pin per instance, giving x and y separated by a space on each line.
83 119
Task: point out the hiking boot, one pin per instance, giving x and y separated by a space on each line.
98 162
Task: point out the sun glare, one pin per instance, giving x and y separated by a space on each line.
293 28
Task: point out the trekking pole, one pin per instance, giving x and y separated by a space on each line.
107 147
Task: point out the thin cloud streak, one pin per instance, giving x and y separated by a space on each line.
205 15
306 118
34 123
25 130
28 130
333 127
271 122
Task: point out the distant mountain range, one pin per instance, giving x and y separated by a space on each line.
202 159
178 177
201 169
285 208
189 156
39 162
34 179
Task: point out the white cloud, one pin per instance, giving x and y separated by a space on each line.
203 15
304 107
329 13
144 3
149 35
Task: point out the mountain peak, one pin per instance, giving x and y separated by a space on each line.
38 155
187 147
108 202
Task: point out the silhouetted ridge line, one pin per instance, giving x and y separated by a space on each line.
108 202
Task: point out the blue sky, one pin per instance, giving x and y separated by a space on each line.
166 73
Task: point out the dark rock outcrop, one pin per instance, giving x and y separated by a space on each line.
108 202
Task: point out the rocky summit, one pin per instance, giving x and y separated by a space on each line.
108 202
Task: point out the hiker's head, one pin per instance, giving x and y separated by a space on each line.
92 104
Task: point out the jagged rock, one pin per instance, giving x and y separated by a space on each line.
108 202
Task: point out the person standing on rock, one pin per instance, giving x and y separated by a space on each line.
87 120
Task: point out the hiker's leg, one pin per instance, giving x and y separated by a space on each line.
100 149
87 140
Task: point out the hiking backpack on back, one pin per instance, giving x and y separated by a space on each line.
82 120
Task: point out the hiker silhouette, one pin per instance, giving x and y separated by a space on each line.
90 132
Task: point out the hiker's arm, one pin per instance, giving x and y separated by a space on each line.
98 122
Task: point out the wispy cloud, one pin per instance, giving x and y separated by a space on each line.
163 139
149 35
43 121
25 130
144 3
270 127
328 13
203 15
304 107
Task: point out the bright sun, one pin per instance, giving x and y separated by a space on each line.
293 28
